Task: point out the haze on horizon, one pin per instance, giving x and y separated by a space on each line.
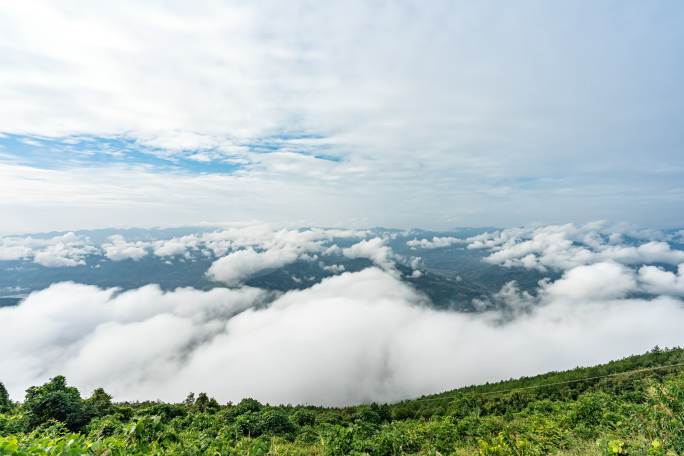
356 114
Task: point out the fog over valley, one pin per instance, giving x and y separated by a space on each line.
343 316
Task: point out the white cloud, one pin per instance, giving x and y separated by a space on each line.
354 337
658 281
333 268
56 257
175 246
374 249
561 247
679 236
276 248
597 281
238 266
510 299
266 237
436 242
83 331
118 249
11 251
66 250
70 249
649 252
422 124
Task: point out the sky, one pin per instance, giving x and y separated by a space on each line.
405 114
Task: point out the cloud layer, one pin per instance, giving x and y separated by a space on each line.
561 247
401 114
59 251
70 249
354 337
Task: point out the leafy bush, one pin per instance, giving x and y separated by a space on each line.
55 401
632 414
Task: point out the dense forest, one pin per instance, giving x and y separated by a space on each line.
633 406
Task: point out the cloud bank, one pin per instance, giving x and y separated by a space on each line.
65 250
70 249
561 247
437 242
352 338
117 249
238 266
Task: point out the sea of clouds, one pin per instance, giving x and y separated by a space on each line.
353 337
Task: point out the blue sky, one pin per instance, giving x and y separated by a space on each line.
86 151
67 152
431 114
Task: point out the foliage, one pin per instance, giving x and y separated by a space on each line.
55 401
627 411
5 403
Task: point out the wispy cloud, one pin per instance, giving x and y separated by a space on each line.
428 112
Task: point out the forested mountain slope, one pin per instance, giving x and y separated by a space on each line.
630 406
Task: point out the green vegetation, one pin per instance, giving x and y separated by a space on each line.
634 406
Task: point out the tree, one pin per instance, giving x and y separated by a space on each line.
249 424
368 415
276 422
55 401
189 400
5 403
247 405
100 403
204 403
304 417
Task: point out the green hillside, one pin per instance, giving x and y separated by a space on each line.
630 406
